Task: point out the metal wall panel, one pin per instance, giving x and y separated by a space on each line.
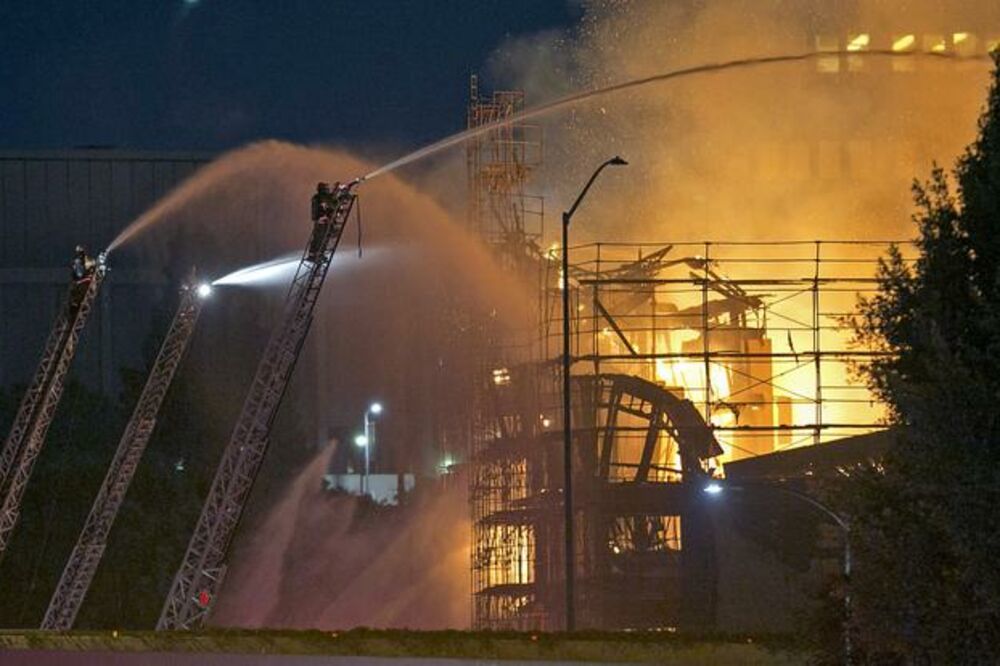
52 201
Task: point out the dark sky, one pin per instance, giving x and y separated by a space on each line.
213 74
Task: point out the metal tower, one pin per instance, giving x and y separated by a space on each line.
38 407
86 555
199 579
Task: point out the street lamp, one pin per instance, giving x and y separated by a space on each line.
362 441
374 409
567 431
715 489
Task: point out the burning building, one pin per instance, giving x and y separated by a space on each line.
689 357
685 358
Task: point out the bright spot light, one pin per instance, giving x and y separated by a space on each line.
960 37
904 43
361 440
204 290
501 376
376 408
713 488
859 42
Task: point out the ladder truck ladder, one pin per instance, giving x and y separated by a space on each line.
86 556
196 585
38 407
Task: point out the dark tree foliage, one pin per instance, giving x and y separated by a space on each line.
67 472
152 527
926 533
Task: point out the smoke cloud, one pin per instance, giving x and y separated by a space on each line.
819 149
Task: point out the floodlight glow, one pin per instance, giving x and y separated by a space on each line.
277 271
361 440
204 290
375 408
713 488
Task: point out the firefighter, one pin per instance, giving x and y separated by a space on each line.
323 202
82 267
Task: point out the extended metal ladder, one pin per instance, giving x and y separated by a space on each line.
199 579
38 407
86 555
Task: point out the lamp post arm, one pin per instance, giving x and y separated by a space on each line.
844 525
572 209
805 497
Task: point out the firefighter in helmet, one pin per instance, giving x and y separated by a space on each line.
323 202
83 265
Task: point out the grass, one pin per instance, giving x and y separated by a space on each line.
636 647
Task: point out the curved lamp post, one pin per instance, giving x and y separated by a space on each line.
567 432
716 488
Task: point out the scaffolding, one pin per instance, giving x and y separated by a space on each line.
510 221
499 165
755 334
685 356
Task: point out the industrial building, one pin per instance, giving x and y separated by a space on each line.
51 201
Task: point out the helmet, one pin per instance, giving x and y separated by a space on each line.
79 250
323 188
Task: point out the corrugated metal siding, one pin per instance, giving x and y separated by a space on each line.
50 202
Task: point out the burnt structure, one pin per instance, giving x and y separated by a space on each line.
632 499
686 357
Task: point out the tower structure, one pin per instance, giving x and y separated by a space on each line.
500 164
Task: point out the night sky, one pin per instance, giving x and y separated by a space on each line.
211 74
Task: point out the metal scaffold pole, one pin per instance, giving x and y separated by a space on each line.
38 407
199 579
86 556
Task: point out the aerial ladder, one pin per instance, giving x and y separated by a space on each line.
86 556
38 406
200 577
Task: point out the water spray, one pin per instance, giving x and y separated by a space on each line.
148 217
695 70
267 272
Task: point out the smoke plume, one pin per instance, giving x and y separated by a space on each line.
820 149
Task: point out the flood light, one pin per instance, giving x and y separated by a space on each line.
361 440
204 290
713 488
375 408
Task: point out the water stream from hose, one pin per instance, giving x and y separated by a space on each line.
576 98
218 171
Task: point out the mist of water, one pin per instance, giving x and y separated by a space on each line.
330 562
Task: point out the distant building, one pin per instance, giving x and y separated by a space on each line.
51 201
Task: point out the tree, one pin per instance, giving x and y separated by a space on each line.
926 587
